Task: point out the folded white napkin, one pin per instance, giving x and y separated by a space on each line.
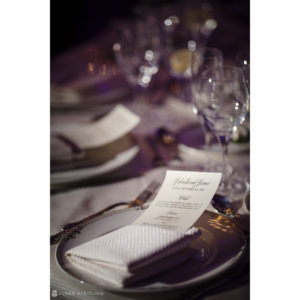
109 128
132 253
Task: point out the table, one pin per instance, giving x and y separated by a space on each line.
77 203
72 203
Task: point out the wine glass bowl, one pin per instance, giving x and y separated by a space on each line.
138 53
185 28
222 99
202 59
179 54
242 61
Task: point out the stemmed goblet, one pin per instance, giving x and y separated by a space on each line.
138 53
242 61
202 59
223 100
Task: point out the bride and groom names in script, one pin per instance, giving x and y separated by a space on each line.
182 199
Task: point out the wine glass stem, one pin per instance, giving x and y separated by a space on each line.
224 144
208 137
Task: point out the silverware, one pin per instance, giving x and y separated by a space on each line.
76 151
70 229
72 164
225 207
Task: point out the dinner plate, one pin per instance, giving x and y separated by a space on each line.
87 92
85 173
220 246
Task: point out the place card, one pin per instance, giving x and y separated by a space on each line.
181 200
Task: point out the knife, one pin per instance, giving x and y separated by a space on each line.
68 230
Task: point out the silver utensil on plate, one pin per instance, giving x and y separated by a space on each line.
68 230
76 151
225 207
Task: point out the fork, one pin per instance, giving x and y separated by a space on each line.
68 230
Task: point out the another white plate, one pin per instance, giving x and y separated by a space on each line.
220 246
81 174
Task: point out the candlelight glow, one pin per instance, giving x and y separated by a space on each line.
91 67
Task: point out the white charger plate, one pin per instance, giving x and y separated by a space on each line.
81 174
220 246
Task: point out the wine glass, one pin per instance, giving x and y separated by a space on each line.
138 52
189 20
202 59
223 101
185 27
242 61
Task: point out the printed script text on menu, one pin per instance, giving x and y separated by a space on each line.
181 200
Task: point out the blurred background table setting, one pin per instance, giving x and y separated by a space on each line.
137 89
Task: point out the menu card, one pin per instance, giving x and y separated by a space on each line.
181 200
